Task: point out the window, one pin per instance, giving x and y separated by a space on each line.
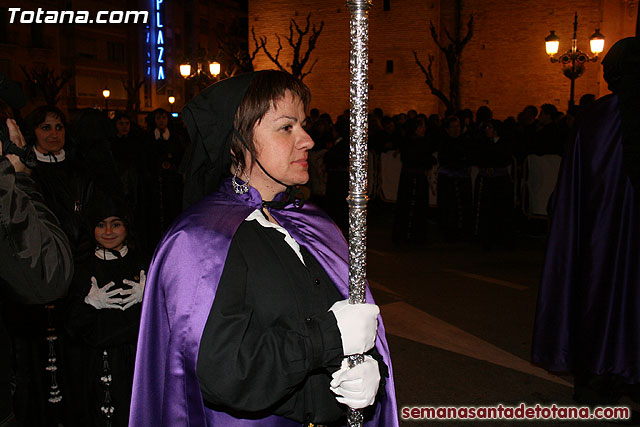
390 66
86 48
115 52
386 5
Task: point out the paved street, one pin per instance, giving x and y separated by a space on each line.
459 322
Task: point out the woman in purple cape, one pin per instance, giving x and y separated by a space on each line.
588 313
244 316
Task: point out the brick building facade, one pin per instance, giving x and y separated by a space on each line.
504 66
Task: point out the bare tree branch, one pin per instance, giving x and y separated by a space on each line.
47 82
303 75
313 38
133 89
434 36
469 34
295 39
452 52
451 39
428 73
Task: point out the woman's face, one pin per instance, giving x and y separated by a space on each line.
281 145
490 131
50 135
453 129
123 126
162 120
110 233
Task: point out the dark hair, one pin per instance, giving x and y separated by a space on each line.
450 119
495 124
119 115
266 89
91 126
586 99
483 114
532 109
549 109
151 118
37 117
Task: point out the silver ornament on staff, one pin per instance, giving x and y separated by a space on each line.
359 100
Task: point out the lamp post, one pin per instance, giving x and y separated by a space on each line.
106 93
574 60
171 100
203 72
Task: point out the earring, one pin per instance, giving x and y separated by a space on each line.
240 188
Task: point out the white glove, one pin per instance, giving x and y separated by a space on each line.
135 292
356 387
358 324
102 297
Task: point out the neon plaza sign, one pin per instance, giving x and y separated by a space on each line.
155 43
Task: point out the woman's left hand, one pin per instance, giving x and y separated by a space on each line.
356 387
136 291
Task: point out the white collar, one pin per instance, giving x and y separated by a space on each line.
257 215
166 135
106 255
50 157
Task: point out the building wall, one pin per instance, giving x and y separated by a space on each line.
87 50
504 66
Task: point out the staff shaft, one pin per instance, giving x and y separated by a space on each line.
359 100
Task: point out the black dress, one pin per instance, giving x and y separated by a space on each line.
454 187
36 260
165 193
40 344
494 204
270 344
413 190
108 338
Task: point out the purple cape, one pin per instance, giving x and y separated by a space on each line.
588 311
181 286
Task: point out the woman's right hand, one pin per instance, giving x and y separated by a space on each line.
358 324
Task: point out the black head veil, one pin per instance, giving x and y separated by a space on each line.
209 120
622 72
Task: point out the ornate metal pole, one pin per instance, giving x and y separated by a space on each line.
359 100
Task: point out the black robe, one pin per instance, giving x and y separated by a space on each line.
40 344
97 331
252 356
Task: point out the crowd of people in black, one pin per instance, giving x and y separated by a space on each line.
473 164
116 187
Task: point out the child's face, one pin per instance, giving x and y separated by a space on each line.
110 233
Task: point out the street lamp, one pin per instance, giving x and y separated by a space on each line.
574 60
171 100
214 68
203 73
106 93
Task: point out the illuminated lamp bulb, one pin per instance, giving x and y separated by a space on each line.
552 43
597 42
214 68
185 70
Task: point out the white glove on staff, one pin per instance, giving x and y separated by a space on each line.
135 292
356 387
358 324
102 297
